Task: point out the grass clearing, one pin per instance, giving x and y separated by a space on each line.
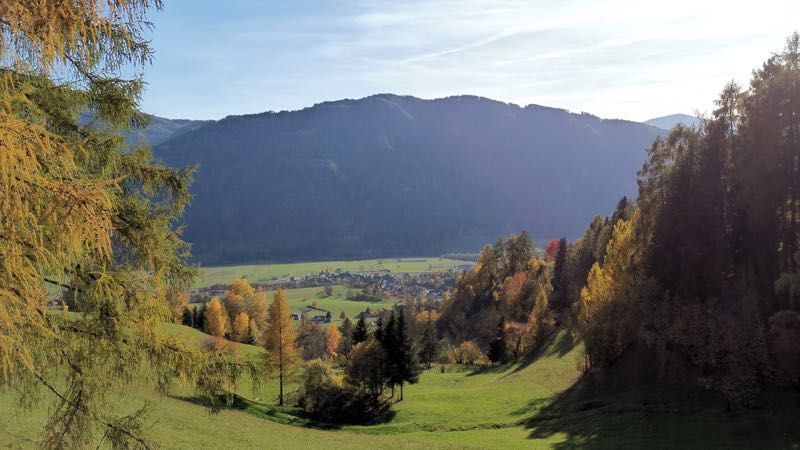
300 299
460 408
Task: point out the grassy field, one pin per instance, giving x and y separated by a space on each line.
300 299
504 407
260 273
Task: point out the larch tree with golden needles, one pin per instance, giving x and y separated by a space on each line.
241 327
279 338
334 336
178 301
216 319
83 210
610 307
234 298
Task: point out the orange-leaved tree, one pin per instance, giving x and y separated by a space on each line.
334 336
241 327
279 337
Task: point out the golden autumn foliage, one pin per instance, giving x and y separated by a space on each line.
425 317
256 307
216 319
240 329
86 212
178 301
92 32
615 279
279 338
468 353
610 303
334 336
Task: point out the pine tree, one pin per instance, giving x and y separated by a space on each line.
406 365
346 342
200 320
497 348
380 329
520 251
361 331
429 345
279 338
188 317
559 299
386 336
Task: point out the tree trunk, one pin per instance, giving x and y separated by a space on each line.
401 391
280 401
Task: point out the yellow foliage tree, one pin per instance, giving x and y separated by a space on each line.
178 301
242 288
279 338
334 336
216 319
237 297
609 311
82 209
616 277
468 353
256 307
241 327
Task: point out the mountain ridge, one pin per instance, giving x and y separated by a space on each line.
390 175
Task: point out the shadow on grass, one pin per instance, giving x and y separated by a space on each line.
558 344
567 415
284 414
585 417
484 370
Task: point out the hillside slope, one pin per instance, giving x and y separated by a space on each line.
399 176
511 406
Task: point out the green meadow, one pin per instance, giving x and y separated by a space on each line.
262 273
300 299
510 406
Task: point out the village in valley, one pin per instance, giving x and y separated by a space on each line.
363 286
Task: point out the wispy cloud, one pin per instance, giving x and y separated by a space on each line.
615 59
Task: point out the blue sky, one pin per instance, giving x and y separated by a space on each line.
615 59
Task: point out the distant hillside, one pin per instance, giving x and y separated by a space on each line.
667 122
400 176
157 131
160 129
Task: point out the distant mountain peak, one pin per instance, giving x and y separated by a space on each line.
668 122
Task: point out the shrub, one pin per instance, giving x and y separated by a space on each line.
469 354
324 398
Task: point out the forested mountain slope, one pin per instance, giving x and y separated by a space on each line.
391 175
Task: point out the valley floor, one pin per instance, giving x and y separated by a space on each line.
263 273
505 407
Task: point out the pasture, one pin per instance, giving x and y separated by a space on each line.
510 406
262 273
